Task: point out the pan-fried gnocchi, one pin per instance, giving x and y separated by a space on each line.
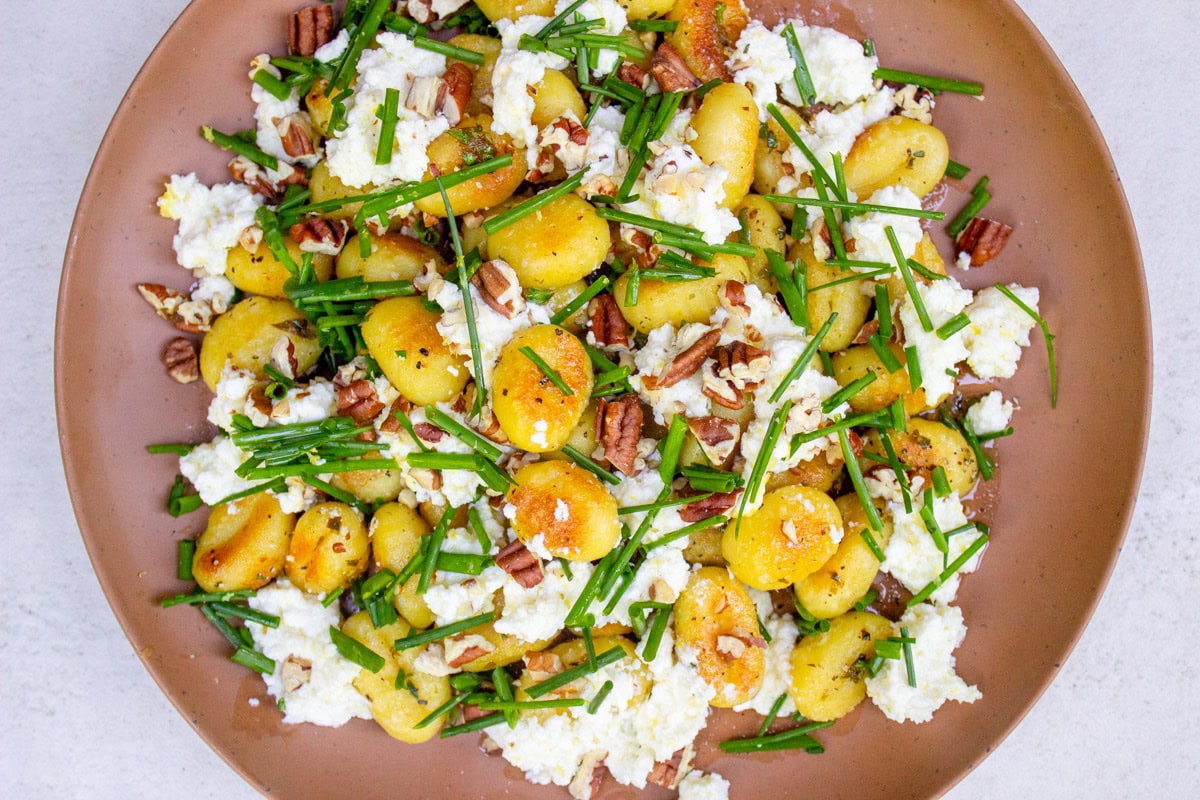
583 371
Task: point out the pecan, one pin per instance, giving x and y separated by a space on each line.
359 401
866 332
428 433
670 70
458 79
983 239
632 74
392 423
618 430
731 647
283 357
296 134
541 665
308 29
712 505
518 561
743 365
590 775
735 295
316 235
295 672
668 773
686 363
718 437
915 102
721 392
421 11
181 362
646 252
607 323
260 403
425 95
465 648
250 238
164 301
429 479
498 286
270 184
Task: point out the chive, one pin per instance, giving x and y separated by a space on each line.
914 367
207 597
533 204
465 681
847 392
956 170
598 700
590 465
869 48
172 449
475 522
580 300
330 467
818 170
897 412
796 738
772 714
857 208
671 447
831 222
678 501
861 276
923 271
530 705
869 597
930 82
637 160
179 503
1046 335
434 634
790 288
590 646
872 545
633 286
839 175
987 437
898 470
909 667
763 459
442 710
187 551
931 523
347 289
982 460
622 584
463 563
550 373
949 571
239 147
851 421
618 375
637 614
804 81
980 197
654 638
539 296
886 356
558 21
355 651
625 555
654 25
941 485
233 611
237 637
389 114
277 88
363 34
331 490
332 597
253 659
448 50
860 488
707 479
574 673
889 649
578 612
435 545
909 283
477 724
804 360
505 693
461 432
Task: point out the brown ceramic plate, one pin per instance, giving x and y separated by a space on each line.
1070 476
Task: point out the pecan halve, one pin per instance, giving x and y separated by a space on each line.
717 503
865 333
670 70
607 323
983 239
498 286
179 357
309 28
164 301
359 402
283 357
262 182
297 135
459 79
518 561
669 773
735 295
718 437
686 363
619 429
316 235
743 365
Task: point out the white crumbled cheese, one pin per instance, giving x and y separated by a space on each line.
614 20
210 220
313 401
210 468
540 427
681 188
562 512
643 720
999 329
215 291
231 397
834 132
938 630
882 484
269 109
761 62
938 357
302 403
445 8
540 611
351 152
334 47
869 231
514 72
777 675
458 486
451 602
685 397
990 414
327 697
911 555
698 785
603 156
963 261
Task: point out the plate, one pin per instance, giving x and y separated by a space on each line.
1069 476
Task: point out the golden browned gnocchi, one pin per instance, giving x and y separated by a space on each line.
402 336
843 579
568 507
829 669
329 548
554 246
535 413
244 545
393 257
260 272
794 531
245 336
716 621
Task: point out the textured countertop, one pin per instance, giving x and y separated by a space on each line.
82 717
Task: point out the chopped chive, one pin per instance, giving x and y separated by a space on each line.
207 597
591 588
773 713
949 571
654 638
248 657
874 418
856 478
463 563
898 470
931 82
234 611
557 21
539 296
505 694
872 545
172 449
804 81
869 48
331 490
847 392
917 301
179 503
804 359
866 599
475 522
332 597
982 460
980 197
1046 335
450 425
987 437
435 634
818 171
389 113
187 551
627 551
355 651
857 208
238 146
435 545
443 709
654 25
763 459
886 356
477 724
236 636
792 287
941 484
533 204
547 370
671 446
590 465
448 50
580 300
574 673
687 530
931 523
899 417
530 705
276 87
924 272
861 276
794 739
601 695
956 170
831 221
913 364
709 479
909 667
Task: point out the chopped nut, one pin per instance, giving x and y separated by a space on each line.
983 239
619 429
297 135
686 363
866 332
606 321
283 357
164 301
669 773
541 665
915 102
661 592
465 648
710 506
250 238
670 70
421 10
271 184
295 672
432 661
392 423
425 95
590 775
429 479
633 75
359 401
499 287
718 437
308 29
735 296
316 235
743 365
428 433
181 362
459 80
721 390
518 561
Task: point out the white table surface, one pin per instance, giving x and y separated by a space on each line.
81 717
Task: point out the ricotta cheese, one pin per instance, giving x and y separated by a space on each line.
834 131
685 397
210 468
990 414
869 231
777 675
515 72
939 358
270 110
938 630
911 555
458 486
210 220
698 785
681 188
998 331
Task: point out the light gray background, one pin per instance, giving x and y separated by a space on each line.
81 717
